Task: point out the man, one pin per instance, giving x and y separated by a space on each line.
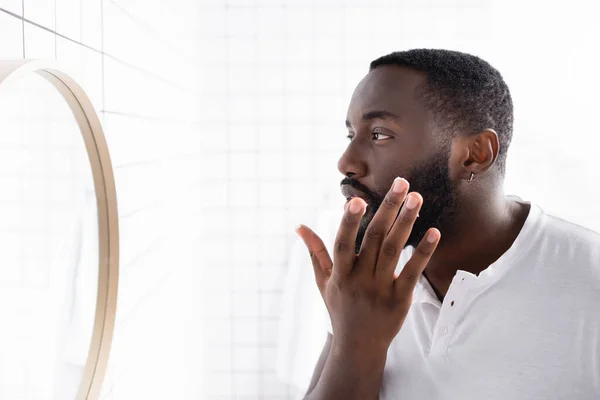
498 300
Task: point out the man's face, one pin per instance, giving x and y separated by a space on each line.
391 136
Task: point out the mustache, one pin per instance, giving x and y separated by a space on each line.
359 186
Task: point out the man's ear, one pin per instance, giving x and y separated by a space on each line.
476 153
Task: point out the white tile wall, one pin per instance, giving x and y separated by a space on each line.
287 69
41 12
14 6
142 81
91 23
41 44
11 36
68 18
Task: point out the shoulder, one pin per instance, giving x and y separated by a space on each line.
569 239
572 249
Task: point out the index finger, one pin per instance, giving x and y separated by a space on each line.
319 256
345 240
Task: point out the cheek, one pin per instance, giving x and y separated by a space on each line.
385 185
386 172
402 158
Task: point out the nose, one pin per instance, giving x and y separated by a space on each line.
352 163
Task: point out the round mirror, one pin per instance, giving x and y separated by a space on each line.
58 235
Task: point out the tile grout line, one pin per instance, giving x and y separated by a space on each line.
114 58
55 38
23 26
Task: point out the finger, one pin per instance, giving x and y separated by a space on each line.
345 240
380 225
394 242
405 284
319 255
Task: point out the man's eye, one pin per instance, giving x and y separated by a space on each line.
380 136
350 136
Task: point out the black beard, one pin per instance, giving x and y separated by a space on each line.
439 201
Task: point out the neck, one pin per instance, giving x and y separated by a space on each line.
484 228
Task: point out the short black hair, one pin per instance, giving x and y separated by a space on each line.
464 93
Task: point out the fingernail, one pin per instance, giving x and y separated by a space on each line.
411 202
355 206
432 236
399 185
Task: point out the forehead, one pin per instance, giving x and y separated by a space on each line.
386 88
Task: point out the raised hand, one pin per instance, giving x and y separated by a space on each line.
366 301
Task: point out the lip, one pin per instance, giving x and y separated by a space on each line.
349 192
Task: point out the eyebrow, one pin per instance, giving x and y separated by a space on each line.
380 114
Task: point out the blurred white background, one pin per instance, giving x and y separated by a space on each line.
225 123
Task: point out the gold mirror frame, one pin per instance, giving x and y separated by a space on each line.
108 222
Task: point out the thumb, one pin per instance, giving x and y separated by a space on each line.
319 255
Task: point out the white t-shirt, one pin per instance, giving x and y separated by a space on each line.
528 327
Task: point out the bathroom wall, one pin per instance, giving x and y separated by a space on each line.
138 61
277 79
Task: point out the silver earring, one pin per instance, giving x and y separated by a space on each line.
471 177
